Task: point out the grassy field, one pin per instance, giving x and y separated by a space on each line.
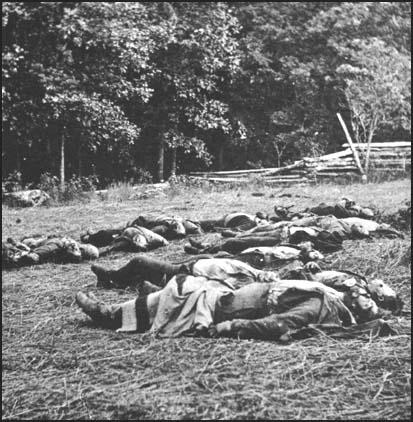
58 365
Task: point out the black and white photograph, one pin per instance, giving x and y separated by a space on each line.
206 210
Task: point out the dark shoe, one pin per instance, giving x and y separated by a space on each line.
283 332
191 250
103 314
85 238
228 233
89 305
103 277
147 288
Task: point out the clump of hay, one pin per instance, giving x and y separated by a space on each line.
401 219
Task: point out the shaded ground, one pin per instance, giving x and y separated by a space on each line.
58 365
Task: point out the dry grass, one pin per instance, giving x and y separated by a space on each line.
58 365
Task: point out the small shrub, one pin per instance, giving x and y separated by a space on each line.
74 189
183 181
139 176
49 184
86 183
13 182
118 192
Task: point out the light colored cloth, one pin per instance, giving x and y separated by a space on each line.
129 321
368 225
311 231
233 271
282 253
34 242
333 278
187 305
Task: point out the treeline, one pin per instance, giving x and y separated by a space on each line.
130 90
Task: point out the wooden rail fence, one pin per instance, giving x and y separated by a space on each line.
384 156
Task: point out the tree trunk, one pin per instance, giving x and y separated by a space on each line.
221 157
62 161
18 158
173 162
366 169
79 155
79 163
277 150
161 153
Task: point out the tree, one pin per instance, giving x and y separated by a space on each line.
196 55
174 86
55 58
378 85
291 53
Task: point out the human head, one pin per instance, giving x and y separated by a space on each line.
347 202
363 307
359 230
281 212
8 255
308 253
261 216
315 255
89 251
178 228
140 242
367 213
385 296
72 249
267 277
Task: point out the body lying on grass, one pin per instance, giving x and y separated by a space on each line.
344 208
139 238
134 239
346 228
38 250
322 240
276 310
235 220
152 274
327 233
222 265
172 227
165 226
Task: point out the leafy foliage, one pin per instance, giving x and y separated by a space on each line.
377 87
127 84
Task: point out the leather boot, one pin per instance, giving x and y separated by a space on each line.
104 315
103 277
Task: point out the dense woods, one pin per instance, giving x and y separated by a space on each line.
140 90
